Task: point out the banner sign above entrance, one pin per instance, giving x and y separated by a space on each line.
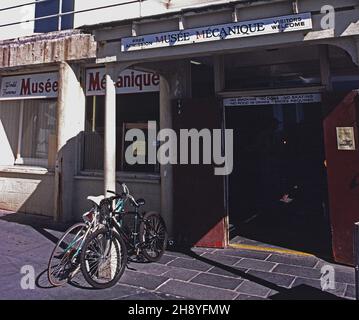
234 30
272 100
41 85
128 81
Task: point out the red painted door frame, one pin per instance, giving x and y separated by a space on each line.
343 173
199 205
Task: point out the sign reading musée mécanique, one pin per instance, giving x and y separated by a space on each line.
234 30
128 81
40 85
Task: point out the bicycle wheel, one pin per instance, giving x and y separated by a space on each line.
64 259
103 258
153 236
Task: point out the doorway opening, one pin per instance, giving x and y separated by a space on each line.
277 192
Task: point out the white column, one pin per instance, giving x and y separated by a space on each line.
70 123
110 131
166 170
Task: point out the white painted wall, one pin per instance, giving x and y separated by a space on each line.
146 8
15 15
129 11
124 12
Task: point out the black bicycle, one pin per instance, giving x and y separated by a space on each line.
125 233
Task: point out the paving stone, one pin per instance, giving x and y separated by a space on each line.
67 292
180 274
244 253
294 260
339 287
196 291
165 259
142 280
234 272
190 255
199 250
117 292
350 292
248 297
151 268
344 274
223 259
298 271
254 289
145 296
275 279
217 281
190 264
255 264
345 277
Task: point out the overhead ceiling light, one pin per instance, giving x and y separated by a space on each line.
196 62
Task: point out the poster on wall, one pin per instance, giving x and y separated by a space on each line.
345 138
40 85
128 81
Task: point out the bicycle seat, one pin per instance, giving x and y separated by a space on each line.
141 202
96 200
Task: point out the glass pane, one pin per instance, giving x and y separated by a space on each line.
9 130
50 8
136 109
39 126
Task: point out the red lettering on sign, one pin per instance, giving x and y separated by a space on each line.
25 87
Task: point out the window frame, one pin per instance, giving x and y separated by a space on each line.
26 161
91 127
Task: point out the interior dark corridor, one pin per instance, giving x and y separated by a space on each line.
278 188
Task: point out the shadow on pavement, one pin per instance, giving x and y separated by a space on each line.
42 281
34 221
301 292
40 224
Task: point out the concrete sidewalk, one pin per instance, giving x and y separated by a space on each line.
201 274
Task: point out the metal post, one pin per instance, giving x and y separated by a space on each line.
356 257
59 27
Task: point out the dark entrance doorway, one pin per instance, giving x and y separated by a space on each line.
278 188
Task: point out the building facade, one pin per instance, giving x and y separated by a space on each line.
281 74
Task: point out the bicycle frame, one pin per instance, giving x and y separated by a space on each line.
119 209
90 226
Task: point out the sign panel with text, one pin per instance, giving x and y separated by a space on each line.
272 100
227 31
41 85
128 81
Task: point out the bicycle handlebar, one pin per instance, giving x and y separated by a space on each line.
126 193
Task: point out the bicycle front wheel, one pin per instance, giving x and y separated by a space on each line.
103 258
65 257
153 236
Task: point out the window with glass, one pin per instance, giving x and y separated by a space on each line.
28 132
54 23
134 111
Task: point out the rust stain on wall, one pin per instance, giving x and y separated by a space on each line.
47 48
